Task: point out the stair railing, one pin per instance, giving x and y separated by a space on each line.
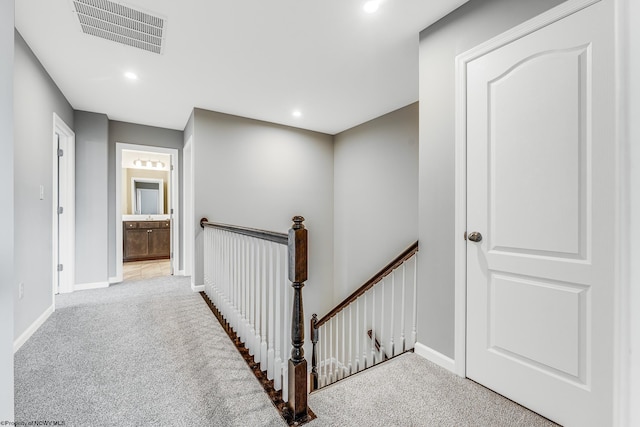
369 326
244 275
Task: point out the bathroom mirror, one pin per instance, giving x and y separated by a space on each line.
147 196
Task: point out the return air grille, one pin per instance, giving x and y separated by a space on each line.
122 24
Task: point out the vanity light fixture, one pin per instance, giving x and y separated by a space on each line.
148 164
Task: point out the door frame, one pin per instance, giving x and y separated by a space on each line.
67 242
188 220
174 202
622 287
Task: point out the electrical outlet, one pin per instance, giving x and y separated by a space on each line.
20 290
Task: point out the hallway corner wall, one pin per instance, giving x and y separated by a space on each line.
375 196
92 137
7 279
36 98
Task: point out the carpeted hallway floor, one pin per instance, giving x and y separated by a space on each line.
137 354
150 353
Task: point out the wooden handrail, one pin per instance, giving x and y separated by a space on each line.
408 253
271 236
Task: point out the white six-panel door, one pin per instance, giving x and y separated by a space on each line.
541 190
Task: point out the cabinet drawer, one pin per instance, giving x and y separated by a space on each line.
130 224
149 224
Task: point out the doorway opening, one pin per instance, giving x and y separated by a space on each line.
147 233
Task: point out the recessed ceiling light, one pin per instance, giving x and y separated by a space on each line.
371 6
131 76
297 113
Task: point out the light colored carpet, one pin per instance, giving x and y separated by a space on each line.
411 391
137 354
151 353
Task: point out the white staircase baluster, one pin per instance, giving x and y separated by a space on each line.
263 310
357 334
373 326
382 304
259 292
271 321
364 336
350 367
414 335
277 363
343 360
402 322
393 317
252 308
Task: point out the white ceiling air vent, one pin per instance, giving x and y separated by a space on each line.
122 24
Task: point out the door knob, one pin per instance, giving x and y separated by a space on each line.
475 236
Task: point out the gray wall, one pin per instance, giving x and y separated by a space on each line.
92 133
466 27
258 174
6 215
36 98
633 134
130 133
375 196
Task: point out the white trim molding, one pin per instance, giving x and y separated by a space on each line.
19 342
63 247
174 204
113 280
197 288
435 357
87 286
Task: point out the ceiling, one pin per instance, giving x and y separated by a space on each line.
261 59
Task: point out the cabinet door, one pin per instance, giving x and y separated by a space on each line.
136 243
159 242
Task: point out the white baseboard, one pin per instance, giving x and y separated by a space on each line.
197 288
19 342
436 357
86 286
113 280
179 273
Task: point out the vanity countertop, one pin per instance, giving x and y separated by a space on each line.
145 217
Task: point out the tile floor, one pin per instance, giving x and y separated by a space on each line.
139 270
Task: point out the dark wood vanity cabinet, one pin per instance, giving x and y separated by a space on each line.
146 240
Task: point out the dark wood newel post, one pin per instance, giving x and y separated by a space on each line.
314 352
297 276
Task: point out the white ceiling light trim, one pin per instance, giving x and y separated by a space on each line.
121 24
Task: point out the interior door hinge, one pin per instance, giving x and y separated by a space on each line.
60 210
171 211
60 152
60 267
171 167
